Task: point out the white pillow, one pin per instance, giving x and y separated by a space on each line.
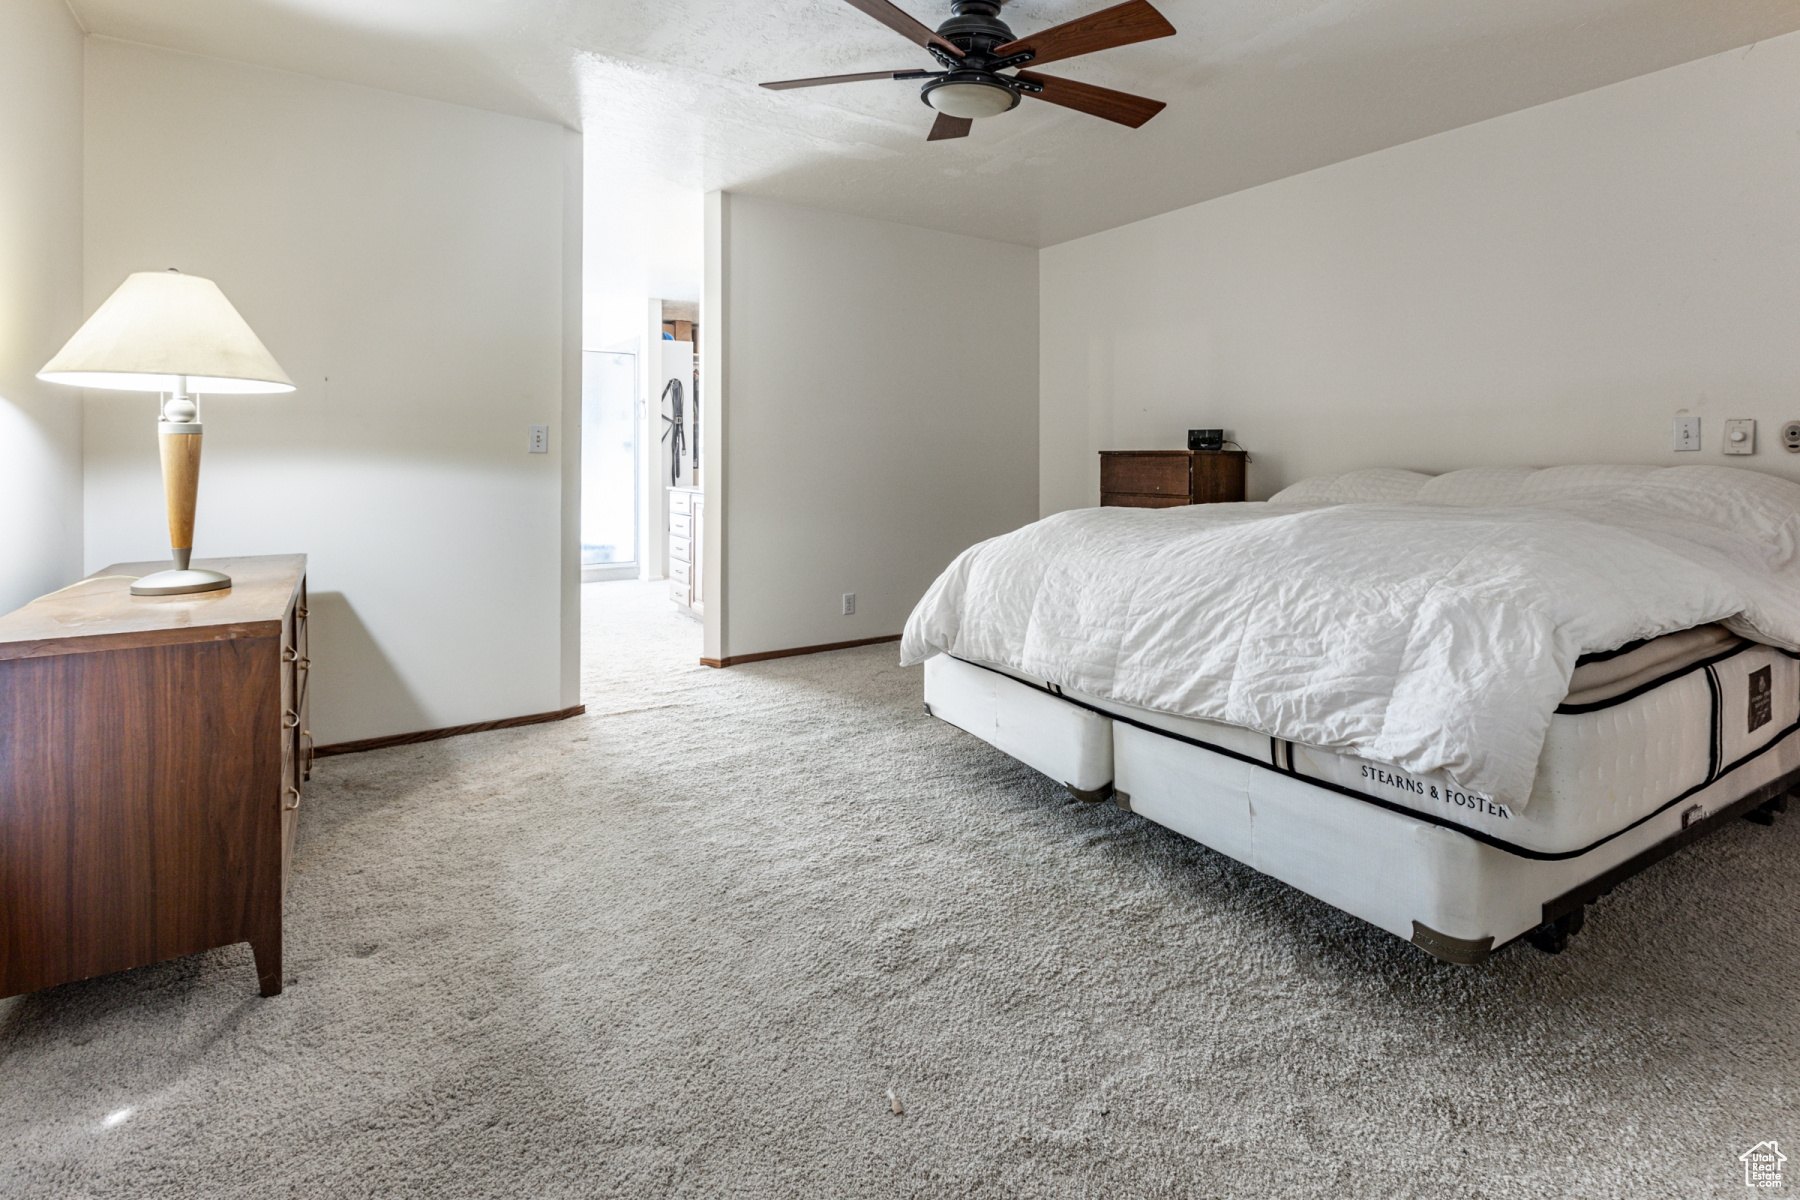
1373 485
1762 509
1556 483
1477 487
1502 487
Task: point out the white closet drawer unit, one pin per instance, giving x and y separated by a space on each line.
685 507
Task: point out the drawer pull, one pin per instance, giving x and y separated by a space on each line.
290 719
290 790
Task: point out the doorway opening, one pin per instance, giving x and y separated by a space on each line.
641 511
675 383
609 465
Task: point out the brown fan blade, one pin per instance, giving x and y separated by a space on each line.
947 126
820 80
906 26
1086 98
1122 107
1120 25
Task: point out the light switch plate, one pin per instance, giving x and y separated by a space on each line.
1687 433
1740 437
540 439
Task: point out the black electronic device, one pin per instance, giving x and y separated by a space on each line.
1206 439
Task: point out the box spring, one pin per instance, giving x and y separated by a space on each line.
1651 748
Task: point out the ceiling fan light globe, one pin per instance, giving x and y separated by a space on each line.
971 100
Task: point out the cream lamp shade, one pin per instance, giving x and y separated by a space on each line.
162 331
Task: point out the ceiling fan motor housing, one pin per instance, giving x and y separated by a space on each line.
971 88
976 26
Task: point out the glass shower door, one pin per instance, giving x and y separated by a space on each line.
609 465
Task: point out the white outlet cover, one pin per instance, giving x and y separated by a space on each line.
1687 433
1740 437
540 439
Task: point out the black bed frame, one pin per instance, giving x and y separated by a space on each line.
1564 916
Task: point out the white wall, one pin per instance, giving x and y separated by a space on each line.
40 297
1547 287
877 414
415 268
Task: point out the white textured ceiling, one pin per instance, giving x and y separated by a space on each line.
1257 89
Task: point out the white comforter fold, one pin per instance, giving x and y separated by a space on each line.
1432 638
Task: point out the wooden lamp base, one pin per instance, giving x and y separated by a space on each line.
181 488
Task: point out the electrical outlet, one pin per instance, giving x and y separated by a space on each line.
1790 437
1687 433
540 439
849 604
1740 437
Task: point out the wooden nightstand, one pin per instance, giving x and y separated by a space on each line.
152 751
1170 478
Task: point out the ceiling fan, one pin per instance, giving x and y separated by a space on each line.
975 45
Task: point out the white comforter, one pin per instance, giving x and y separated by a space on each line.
1434 636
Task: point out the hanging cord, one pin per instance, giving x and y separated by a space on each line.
673 430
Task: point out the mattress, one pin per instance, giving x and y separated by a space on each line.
1437 634
1644 729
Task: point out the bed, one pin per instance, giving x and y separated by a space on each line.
1460 707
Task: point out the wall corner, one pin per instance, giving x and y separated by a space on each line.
570 443
715 379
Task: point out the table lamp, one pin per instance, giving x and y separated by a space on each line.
163 331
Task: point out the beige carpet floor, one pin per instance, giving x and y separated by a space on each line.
685 945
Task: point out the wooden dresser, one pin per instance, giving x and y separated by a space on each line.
687 511
152 751
1170 478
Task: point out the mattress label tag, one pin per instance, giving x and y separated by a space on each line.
1762 698
1474 801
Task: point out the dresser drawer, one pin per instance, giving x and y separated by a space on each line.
681 525
681 502
1140 500
1158 474
1219 476
681 549
681 593
681 573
